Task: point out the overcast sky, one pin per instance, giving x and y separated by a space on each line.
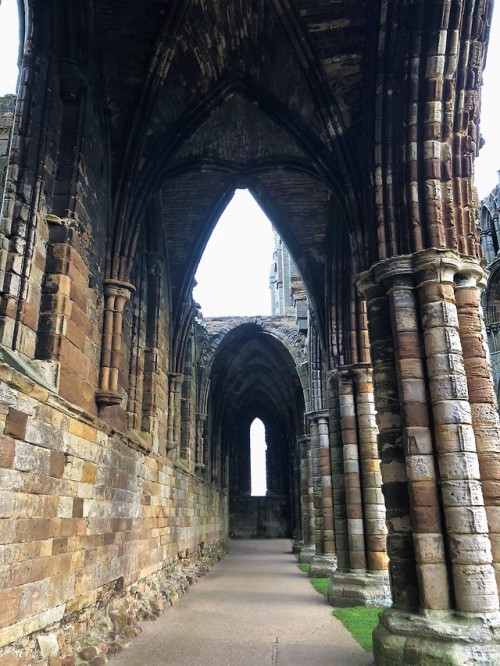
233 276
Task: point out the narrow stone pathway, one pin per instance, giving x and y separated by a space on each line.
253 609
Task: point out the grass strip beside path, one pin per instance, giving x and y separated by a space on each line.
358 620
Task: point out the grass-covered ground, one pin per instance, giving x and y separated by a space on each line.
359 620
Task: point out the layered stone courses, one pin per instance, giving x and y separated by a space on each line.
361 578
83 511
427 332
355 125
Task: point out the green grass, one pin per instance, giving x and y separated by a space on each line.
320 585
360 622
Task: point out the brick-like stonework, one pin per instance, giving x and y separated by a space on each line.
87 522
125 418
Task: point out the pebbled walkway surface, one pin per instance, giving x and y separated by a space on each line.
255 608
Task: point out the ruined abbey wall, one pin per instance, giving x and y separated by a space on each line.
86 511
355 126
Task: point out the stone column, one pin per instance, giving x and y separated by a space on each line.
363 580
116 294
296 499
430 455
338 477
152 350
482 399
324 561
174 411
402 568
463 503
371 480
200 442
316 484
421 469
354 499
307 548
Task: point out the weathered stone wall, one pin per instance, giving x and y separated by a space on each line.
7 104
262 517
84 515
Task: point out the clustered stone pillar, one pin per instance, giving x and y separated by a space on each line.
324 560
362 578
468 538
116 294
436 423
419 460
307 547
174 411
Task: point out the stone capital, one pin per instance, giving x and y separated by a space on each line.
120 288
317 415
433 264
175 380
105 398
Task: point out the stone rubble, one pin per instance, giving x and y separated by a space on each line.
92 637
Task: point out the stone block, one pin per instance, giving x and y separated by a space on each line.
9 608
57 464
15 423
9 659
34 459
7 451
89 472
6 503
75 390
47 644
82 430
44 434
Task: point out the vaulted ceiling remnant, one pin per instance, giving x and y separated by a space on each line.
281 96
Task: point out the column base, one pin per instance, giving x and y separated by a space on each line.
322 566
350 588
437 638
305 553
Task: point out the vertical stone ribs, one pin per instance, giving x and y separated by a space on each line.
426 127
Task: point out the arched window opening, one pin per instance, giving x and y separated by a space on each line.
233 274
258 462
9 46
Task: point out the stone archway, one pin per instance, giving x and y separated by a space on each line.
356 126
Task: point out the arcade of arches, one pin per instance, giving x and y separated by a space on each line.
124 454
